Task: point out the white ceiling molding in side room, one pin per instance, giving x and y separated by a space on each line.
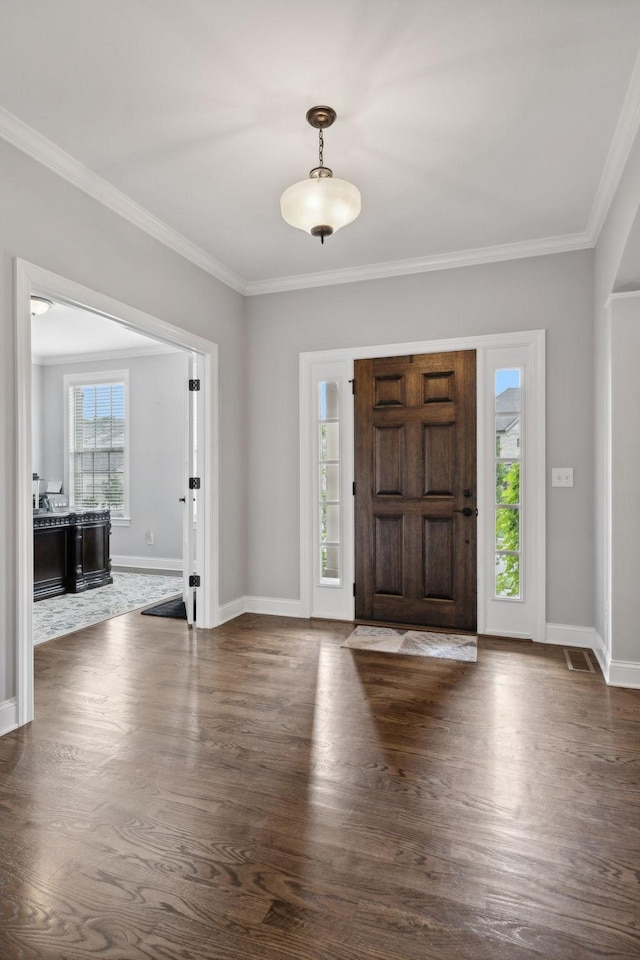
25 138
106 355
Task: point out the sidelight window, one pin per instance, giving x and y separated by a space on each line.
328 465
508 505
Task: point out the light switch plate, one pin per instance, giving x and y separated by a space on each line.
562 476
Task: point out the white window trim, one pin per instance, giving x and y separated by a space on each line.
330 599
329 581
515 616
102 376
530 346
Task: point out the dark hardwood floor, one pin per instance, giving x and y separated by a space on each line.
258 793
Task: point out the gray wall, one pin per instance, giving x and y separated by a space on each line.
157 412
552 292
48 222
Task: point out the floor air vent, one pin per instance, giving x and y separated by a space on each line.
578 660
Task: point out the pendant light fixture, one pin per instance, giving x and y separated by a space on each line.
322 204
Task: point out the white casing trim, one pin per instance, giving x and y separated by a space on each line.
30 278
533 341
8 716
147 563
602 655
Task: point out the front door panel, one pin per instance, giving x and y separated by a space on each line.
415 468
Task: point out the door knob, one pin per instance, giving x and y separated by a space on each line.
466 511
182 499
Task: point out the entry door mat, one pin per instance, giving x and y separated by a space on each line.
129 591
170 608
414 643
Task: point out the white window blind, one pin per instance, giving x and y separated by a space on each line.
97 439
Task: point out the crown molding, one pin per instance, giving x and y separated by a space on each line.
618 155
445 261
39 148
623 295
25 138
127 353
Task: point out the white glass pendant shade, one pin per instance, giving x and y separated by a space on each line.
320 202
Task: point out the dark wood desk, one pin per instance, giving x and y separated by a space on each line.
70 552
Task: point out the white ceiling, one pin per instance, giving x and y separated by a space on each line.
466 124
70 334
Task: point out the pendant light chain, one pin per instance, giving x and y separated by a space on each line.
321 146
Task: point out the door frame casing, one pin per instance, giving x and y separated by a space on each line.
533 341
32 279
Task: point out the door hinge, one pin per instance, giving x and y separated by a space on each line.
354 589
194 580
194 483
353 386
194 385
353 491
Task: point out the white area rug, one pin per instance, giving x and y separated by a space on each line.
414 643
72 611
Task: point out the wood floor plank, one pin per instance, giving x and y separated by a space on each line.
258 792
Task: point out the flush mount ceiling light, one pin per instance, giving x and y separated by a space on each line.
40 305
322 204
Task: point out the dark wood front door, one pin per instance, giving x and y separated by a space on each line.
415 493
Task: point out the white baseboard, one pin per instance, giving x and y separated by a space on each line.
617 673
8 716
623 673
567 635
147 563
231 610
273 606
602 655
